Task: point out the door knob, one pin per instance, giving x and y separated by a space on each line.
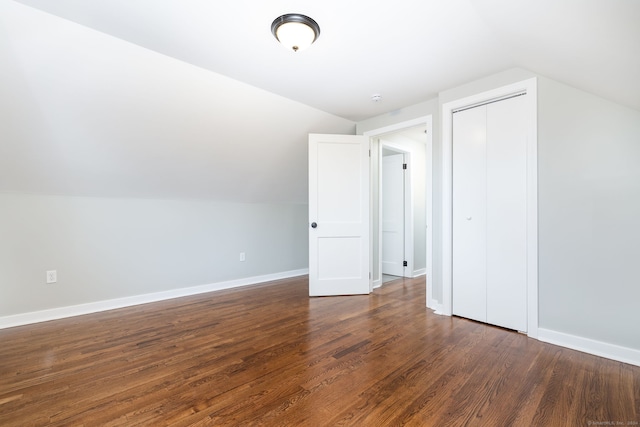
468 218
314 225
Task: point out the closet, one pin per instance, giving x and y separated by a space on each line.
489 216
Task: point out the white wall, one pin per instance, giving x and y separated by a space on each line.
108 248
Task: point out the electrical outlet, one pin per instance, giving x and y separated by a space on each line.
52 276
242 257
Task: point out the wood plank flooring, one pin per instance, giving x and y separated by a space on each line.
269 355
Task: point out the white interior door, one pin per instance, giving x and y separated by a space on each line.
393 214
338 215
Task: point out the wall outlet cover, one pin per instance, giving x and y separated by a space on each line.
52 276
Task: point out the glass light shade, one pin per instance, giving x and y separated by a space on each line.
295 35
295 31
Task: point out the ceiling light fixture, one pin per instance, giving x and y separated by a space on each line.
295 31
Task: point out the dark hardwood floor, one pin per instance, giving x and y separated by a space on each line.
270 355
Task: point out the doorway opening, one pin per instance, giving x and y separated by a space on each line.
412 139
395 212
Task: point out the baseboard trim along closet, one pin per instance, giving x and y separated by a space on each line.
587 345
419 272
94 307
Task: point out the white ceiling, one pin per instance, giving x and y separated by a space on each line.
196 99
405 50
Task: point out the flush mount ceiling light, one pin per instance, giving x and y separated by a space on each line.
295 31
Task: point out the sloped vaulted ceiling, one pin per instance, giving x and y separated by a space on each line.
195 98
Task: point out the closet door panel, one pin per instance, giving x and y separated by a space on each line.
469 214
506 214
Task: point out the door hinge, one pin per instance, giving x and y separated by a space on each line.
405 264
404 166
369 153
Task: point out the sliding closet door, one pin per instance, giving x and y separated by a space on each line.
489 213
469 214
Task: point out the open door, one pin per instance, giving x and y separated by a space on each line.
338 215
393 214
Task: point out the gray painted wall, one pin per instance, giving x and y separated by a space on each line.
87 114
107 248
589 207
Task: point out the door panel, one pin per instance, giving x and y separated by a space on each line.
469 214
393 215
339 207
507 214
348 265
339 186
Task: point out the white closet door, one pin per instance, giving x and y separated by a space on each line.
490 213
507 213
469 214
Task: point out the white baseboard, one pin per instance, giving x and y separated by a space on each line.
94 307
587 345
439 310
436 306
418 273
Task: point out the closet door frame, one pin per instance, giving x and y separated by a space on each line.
530 87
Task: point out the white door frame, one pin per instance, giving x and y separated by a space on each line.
408 209
530 86
428 120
